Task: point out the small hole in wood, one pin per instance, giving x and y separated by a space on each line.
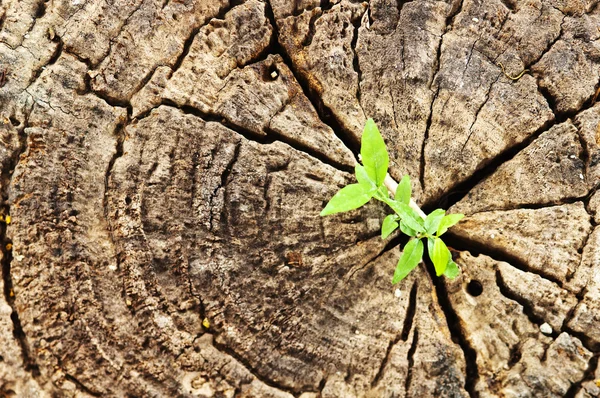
474 288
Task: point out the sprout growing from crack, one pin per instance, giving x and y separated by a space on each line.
373 181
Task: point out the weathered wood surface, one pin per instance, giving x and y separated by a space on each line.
164 162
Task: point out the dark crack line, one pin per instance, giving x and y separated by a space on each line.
398 240
496 254
178 61
2 19
225 179
187 45
460 191
267 184
426 137
586 202
29 361
251 369
549 46
456 329
544 92
585 152
120 135
589 343
485 101
512 34
52 60
536 206
201 305
270 137
403 335
324 113
369 259
411 360
581 250
356 61
260 57
116 36
528 308
449 24
588 375
38 13
82 386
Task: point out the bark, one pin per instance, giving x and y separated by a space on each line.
164 163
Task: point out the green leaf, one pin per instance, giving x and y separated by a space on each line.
348 198
433 220
447 222
404 191
407 230
373 153
408 215
451 270
384 191
362 177
440 255
430 242
412 254
388 226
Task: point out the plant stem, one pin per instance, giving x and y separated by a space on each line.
392 185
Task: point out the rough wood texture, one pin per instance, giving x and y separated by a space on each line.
164 164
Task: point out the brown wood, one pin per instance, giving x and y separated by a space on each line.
164 164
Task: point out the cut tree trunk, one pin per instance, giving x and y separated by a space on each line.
164 164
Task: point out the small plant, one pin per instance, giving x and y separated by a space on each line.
374 182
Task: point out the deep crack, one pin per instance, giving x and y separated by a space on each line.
497 254
457 332
227 350
528 308
29 361
403 335
411 360
324 113
120 136
270 137
449 23
588 375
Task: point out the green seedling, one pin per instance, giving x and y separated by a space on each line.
373 182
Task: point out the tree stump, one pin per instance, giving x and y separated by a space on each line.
164 164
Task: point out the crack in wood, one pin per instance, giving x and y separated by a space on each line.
112 39
402 336
456 331
82 386
119 133
224 179
246 364
324 113
411 360
588 375
29 362
485 101
53 58
528 308
460 191
497 254
187 44
270 138
449 25
355 61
